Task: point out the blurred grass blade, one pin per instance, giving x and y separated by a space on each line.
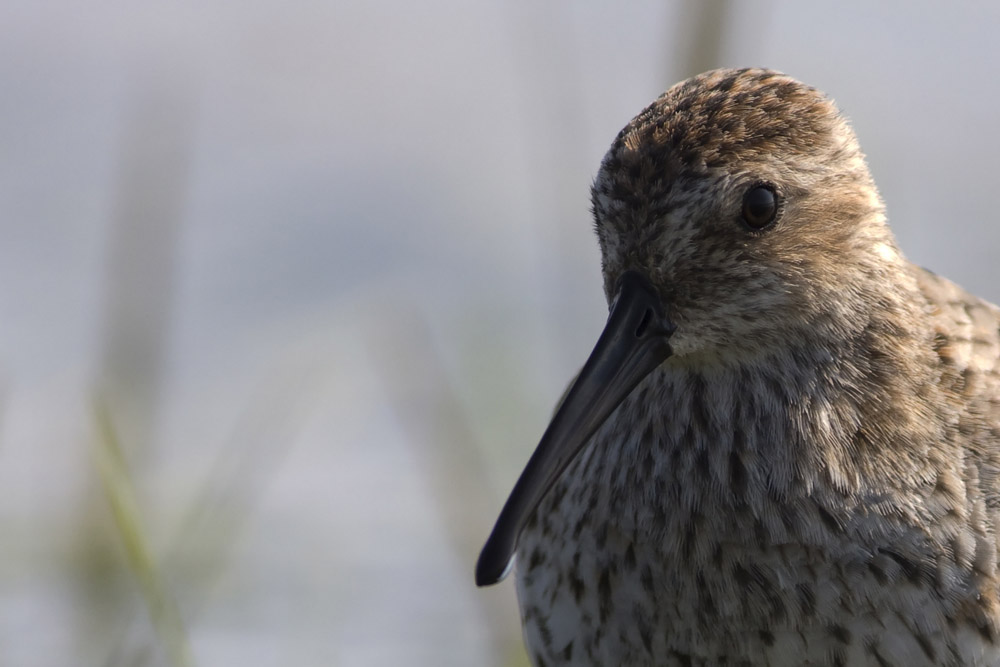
118 487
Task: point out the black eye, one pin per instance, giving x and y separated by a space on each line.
760 207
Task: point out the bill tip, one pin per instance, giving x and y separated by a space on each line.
486 571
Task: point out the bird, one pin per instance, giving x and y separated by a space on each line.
784 448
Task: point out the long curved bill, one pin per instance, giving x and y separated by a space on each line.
633 343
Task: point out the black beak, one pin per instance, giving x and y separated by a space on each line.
633 343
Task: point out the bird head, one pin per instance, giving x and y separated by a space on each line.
735 215
743 197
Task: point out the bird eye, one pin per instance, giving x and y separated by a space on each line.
760 207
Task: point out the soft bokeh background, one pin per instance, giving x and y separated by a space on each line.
288 289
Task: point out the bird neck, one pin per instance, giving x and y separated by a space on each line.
847 412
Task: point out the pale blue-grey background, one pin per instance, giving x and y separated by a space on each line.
328 265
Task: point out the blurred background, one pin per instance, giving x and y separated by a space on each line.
288 290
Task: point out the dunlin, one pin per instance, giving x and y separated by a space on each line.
785 447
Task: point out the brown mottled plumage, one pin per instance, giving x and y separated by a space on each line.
812 476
